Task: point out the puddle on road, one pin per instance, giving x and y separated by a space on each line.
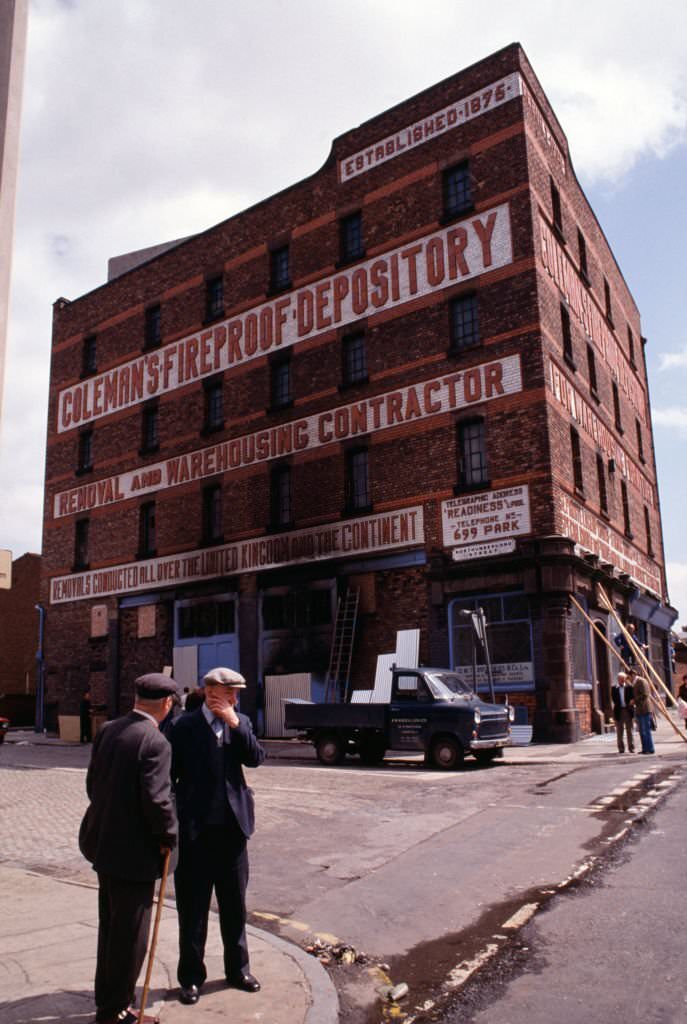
426 967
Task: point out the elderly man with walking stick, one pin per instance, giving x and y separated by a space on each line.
127 832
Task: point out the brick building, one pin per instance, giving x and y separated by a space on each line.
418 373
20 640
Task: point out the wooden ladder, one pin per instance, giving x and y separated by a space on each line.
338 673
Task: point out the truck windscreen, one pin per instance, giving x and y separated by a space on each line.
447 684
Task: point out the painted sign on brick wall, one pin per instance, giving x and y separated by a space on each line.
582 413
428 398
467 108
593 535
589 317
458 253
486 516
371 534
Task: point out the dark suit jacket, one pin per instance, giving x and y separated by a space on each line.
131 813
629 698
193 771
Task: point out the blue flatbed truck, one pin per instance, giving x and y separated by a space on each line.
430 709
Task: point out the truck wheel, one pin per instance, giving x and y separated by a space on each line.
330 748
447 753
372 751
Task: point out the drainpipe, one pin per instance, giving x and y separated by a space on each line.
39 725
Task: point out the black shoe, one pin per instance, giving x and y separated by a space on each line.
188 995
245 981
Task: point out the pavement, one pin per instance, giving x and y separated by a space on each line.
49 927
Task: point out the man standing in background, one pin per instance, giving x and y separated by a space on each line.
622 696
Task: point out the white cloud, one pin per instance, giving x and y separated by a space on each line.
676 573
671 360
673 417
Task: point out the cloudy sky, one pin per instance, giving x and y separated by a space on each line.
147 120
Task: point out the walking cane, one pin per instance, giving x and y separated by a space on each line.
153 941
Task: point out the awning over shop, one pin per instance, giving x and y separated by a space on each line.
649 609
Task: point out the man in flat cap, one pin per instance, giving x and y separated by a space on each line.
129 825
216 818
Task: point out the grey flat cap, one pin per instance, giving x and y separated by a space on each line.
224 677
155 686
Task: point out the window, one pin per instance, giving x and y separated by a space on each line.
85 461
150 438
146 530
354 354
280 272
472 453
647 530
457 190
640 441
591 366
81 544
297 609
576 450
214 405
207 617
509 634
357 480
463 322
351 237
556 213
153 324
582 251
607 301
566 331
616 408
631 347
89 359
214 297
281 511
212 514
601 476
626 510
280 381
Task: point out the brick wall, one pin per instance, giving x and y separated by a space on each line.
516 152
19 627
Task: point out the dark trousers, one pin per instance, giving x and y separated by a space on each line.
623 727
124 912
217 859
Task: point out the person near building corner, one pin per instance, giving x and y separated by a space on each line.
210 746
85 717
622 696
128 827
643 712
682 691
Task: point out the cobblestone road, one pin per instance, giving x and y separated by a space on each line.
40 812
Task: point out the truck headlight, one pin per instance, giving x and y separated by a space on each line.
511 713
478 716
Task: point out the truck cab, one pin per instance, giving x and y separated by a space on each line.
433 709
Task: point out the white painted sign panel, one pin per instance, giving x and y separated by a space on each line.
467 108
480 243
503 673
485 516
486 550
482 383
345 539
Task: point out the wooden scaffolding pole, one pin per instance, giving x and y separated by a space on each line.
645 664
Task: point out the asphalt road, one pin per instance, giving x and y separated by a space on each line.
417 868
611 950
